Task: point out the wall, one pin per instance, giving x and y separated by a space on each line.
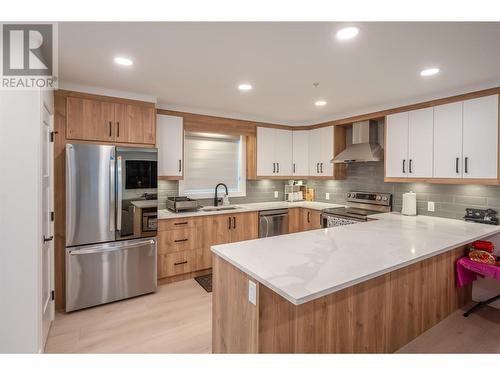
20 224
257 191
450 200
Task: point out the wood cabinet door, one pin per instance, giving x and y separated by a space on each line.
283 146
138 123
420 142
300 152
216 229
396 145
294 220
170 144
315 219
480 137
266 162
90 120
448 140
245 226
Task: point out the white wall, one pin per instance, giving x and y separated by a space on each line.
20 226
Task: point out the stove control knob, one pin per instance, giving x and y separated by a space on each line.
348 195
384 199
379 197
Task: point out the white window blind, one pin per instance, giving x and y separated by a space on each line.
210 159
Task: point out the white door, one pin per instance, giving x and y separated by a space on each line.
396 163
420 142
314 152
47 167
170 144
480 142
300 152
283 151
266 161
326 168
448 140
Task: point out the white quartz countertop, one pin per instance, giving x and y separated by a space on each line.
146 203
248 207
307 265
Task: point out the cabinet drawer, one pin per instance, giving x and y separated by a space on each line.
178 240
180 223
176 263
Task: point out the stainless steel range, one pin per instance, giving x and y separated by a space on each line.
360 206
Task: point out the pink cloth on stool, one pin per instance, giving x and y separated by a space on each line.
468 270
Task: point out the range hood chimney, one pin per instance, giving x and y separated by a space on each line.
364 147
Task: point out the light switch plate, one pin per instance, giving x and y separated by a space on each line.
430 206
276 194
252 292
327 196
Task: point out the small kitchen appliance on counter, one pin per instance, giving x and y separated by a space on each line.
409 204
478 215
179 204
361 206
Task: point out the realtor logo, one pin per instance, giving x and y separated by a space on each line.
28 56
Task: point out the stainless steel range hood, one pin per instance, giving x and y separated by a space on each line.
364 147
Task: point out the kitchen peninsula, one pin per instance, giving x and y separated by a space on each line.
366 288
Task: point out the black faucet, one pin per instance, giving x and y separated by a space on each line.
216 201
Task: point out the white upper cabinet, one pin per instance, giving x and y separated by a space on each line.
448 140
274 152
170 144
480 138
396 153
420 142
321 151
300 149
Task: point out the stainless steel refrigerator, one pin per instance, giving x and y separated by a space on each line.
106 259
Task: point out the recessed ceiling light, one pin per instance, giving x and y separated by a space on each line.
123 61
429 72
320 103
245 87
347 33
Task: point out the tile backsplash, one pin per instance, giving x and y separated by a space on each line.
450 200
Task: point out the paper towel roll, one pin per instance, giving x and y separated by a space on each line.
409 204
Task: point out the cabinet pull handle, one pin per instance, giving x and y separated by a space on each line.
118 129
179 263
181 223
321 167
48 239
278 168
274 167
183 240
317 167
456 165
229 223
404 161
293 167
234 222
466 166
180 165
308 216
409 166
110 128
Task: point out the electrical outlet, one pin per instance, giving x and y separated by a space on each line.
327 196
252 292
276 194
430 206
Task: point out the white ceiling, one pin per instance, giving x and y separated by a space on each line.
197 66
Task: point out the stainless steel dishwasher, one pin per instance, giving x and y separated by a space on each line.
273 223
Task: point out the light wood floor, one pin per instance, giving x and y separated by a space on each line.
178 319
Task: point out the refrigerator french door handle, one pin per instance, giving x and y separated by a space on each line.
112 192
69 191
119 189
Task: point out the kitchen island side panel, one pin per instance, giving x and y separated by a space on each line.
376 316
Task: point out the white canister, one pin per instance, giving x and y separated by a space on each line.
409 204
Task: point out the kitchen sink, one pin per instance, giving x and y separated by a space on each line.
222 208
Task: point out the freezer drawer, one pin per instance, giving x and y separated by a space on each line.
107 272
